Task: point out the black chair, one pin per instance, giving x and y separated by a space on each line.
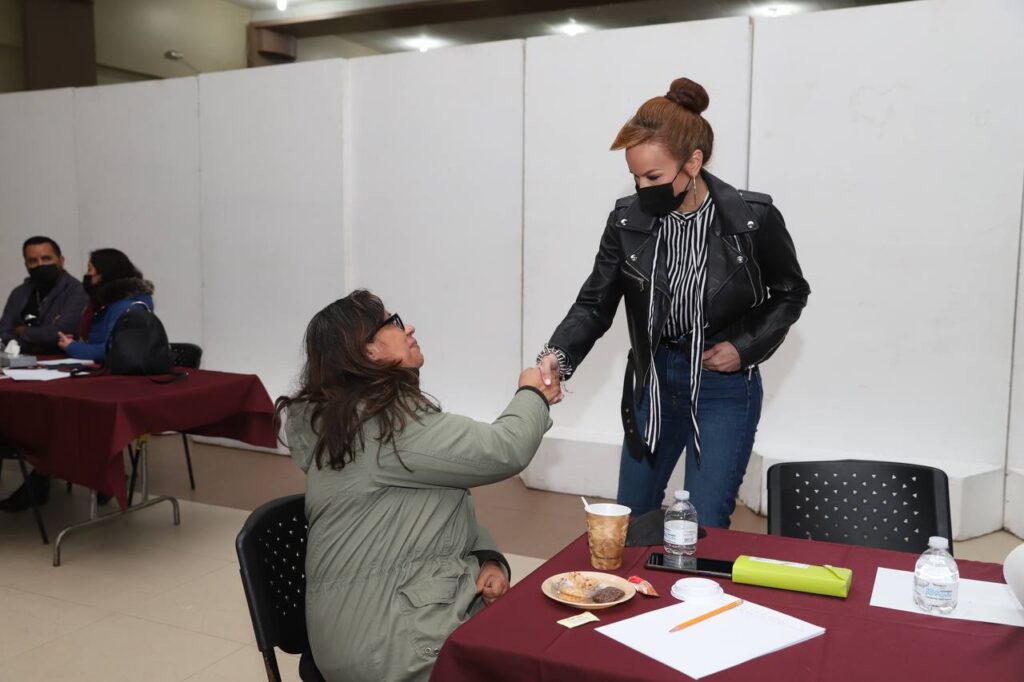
272 559
187 355
8 451
885 505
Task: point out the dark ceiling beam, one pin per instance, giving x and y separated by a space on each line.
59 44
410 14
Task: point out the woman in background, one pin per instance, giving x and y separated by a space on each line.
395 558
113 285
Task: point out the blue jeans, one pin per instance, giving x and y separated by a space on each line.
728 411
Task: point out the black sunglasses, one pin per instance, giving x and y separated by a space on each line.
394 319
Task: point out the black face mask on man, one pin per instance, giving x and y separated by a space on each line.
44 276
658 200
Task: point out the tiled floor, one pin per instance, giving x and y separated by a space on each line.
143 595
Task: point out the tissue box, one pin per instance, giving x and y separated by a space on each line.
787 575
17 361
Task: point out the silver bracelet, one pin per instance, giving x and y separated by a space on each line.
564 368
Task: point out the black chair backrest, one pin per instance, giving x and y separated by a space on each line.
272 557
186 355
886 505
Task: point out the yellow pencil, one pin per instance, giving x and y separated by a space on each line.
694 621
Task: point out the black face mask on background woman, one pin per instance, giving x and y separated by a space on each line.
658 200
44 276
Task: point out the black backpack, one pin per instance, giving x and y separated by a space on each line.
139 345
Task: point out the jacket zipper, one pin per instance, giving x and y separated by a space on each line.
766 354
639 280
636 274
759 295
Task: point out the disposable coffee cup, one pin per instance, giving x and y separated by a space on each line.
607 525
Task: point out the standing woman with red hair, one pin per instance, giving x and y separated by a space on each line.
711 284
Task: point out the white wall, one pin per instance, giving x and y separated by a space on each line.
579 93
38 192
272 242
436 210
137 153
890 137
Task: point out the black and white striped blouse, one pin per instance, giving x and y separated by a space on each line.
684 236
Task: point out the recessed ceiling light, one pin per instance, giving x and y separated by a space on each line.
779 9
282 5
572 28
423 43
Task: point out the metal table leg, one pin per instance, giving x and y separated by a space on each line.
95 519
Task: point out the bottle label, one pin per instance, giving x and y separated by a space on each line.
680 532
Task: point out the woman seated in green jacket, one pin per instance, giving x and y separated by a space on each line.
395 558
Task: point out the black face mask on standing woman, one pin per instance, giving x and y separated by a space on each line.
658 200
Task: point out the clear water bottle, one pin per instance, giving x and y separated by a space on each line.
681 526
936 578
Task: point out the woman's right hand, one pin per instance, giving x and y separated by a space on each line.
551 374
63 341
531 376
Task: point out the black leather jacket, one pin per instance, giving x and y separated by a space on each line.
755 290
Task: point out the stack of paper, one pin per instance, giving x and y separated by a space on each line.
978 599
714 644
36 374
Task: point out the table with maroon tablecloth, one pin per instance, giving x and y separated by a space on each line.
516 639
77 428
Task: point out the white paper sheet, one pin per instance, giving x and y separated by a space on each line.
36 374
720 642
977 600
63 361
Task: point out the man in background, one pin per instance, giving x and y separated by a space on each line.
47 302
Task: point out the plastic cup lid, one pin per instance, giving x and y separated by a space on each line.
606 509
695 589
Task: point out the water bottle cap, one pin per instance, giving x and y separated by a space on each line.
682 495
938 542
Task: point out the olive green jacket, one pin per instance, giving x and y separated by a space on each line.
389 574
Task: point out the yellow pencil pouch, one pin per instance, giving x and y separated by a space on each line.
787 575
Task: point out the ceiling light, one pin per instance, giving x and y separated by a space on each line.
779 9
282 5
423 43
572 28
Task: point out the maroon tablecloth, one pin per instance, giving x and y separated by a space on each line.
76 429
517 638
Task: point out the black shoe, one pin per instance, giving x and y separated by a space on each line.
19 499
103 498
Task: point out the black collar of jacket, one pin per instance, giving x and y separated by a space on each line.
732 215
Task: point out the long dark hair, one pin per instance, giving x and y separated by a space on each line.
113 264
347 389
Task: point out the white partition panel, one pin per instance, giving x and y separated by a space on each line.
273 252
1013 515
435 210
138 178
891 138
579 93
38 194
